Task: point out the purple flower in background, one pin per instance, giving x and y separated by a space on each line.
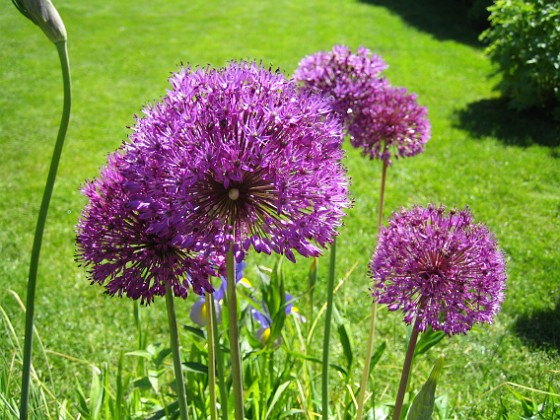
247 158
199 308
130 252
380 119
343 77
390 123
264 319
440 268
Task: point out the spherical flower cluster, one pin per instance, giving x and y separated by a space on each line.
133 254
390 123
343 77
439 268
246 158
380 119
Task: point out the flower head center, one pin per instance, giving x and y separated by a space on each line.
233 194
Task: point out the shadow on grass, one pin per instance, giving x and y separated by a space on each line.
492 117
540 329
444 19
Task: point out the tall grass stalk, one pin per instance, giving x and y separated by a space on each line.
326 344
369 349
211 355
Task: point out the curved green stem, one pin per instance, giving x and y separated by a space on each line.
328 321
174 339
40 227
406 370
237 373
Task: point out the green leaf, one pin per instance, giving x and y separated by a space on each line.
279 391
428 339
196 367
377 355
195 331
346 345
423 405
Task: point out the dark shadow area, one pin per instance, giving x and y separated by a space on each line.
444 19
540 329
492 117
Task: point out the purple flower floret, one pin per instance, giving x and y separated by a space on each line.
440 268
247 159
122 248
380 119
390 123
343 77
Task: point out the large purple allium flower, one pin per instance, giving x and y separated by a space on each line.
134 254
247 158
390 123
343 77
380 119
439 268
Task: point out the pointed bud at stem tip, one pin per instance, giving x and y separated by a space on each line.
44 14
233 194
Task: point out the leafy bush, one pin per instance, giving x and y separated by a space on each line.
524 42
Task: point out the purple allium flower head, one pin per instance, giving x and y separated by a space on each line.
133 253
248 158
440 267
380 119
390 123
345 78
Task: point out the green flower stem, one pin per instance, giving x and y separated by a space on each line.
211 355
219 364
326 344
234 337
174 336
406 370
369 349
40 227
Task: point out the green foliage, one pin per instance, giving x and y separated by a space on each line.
422 407
524 42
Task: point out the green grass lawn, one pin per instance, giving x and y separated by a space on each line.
504 166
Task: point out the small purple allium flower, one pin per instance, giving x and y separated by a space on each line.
247 158
439 267
380 119
133 253
390 123
343 77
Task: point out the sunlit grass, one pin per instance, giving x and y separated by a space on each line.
504 166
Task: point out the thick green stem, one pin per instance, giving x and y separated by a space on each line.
326 344
177 366
211 355
40 227
237 373
406 370
369 349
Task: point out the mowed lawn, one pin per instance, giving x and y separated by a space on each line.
503 165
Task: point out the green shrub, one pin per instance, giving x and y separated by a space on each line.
524 42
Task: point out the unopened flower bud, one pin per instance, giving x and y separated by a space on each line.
44 14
